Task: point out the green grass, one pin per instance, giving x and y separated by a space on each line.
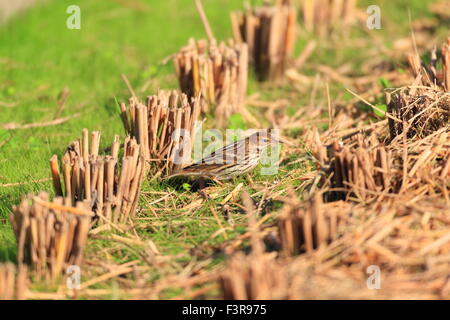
39 57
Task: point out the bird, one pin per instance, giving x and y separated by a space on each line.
234 159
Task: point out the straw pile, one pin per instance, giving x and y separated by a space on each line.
50 235
166 126
420 111
110 188
269 32
13 283
362 167
407 237
216 73
324 16
423 107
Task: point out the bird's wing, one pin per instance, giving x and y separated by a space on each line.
224 155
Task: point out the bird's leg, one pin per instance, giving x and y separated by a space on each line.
202 185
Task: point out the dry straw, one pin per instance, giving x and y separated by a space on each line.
165 126
215 72
270 34
50 235
111 187
13 282
406 236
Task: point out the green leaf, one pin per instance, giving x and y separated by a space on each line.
385 83
379 113
187 186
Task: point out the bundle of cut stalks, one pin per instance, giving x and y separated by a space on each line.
165 127
419 110
50 235
216 73
362 165
303 227
269 32
429 75
111 188
423 108
13 283
250 278
324 16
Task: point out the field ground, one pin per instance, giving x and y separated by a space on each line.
40 57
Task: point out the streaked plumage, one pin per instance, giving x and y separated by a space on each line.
232 160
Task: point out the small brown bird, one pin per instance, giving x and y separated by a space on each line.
235 159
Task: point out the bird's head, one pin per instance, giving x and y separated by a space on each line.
262 139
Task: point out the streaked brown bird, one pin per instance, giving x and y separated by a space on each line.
235 159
